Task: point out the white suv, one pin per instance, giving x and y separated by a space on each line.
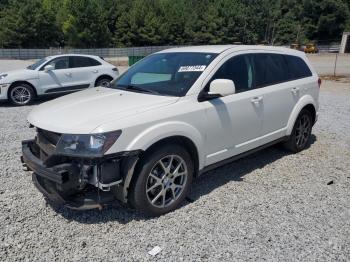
55 74
169 118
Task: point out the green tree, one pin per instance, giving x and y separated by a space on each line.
28 24
325 19
105 23
85 24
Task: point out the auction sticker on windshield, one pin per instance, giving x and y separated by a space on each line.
194 68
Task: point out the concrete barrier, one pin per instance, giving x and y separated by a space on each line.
331 64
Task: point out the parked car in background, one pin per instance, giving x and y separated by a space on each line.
53 75
169 118
311 48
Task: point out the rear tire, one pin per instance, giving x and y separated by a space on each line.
163 179
301 133
21 94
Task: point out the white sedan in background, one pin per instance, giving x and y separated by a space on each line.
55 74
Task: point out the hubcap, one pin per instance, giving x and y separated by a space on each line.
104 83
166 181
20 94
303 130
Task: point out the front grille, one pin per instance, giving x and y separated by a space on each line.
46 141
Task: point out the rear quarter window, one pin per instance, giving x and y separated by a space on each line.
80 61
297 67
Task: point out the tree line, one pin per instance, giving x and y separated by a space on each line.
124 23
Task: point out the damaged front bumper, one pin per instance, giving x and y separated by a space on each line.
80 183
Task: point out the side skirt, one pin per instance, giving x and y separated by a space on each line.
236 157
67 89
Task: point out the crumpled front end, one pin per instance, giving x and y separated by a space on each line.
73 181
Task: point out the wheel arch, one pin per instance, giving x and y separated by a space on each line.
167 132
311 108
184 141
306 102
15 83
101 77
170 130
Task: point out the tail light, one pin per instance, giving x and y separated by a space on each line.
319 82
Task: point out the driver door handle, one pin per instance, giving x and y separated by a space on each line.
95 71
68 74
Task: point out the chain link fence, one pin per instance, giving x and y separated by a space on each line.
103 52
327 63
107 52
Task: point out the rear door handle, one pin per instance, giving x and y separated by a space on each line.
295 90
68 74
257 100
95 71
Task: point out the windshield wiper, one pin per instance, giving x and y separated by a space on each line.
138 88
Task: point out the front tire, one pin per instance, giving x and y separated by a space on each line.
21 94
162 180
104 82
301 133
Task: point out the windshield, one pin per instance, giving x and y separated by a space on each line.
37 64
165 73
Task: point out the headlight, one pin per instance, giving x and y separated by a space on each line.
90 145
3 76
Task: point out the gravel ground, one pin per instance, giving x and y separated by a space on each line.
269 206
8 65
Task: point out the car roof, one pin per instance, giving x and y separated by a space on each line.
221 48
91 56
201 48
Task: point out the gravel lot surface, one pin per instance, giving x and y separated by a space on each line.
270 206
8 65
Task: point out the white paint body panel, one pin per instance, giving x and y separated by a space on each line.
44 81
219 128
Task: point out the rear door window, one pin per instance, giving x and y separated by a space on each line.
270 69
80 61
261 69
297 67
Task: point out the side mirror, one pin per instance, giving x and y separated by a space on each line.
48 68
222 87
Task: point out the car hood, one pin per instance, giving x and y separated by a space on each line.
82 112
21 74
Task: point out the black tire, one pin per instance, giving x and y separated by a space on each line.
21 94
301 133
103 81
141 199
